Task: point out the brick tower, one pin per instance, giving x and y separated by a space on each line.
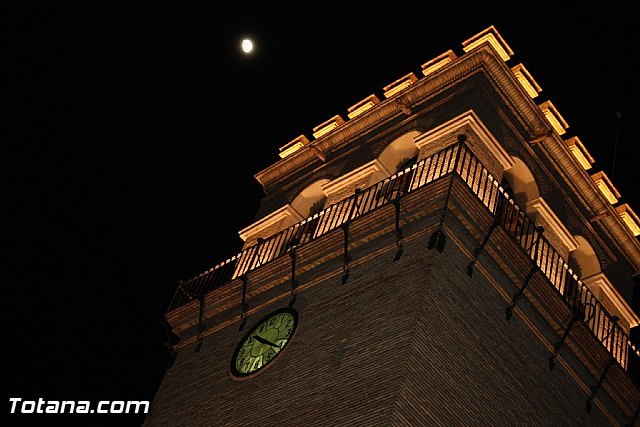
442 257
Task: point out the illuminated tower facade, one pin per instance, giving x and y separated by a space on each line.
444 256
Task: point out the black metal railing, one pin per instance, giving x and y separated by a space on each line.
456 158
330 218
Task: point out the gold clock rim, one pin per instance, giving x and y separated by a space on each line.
235 374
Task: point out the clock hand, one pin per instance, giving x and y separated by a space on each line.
265 341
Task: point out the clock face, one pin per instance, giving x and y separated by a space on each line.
264 342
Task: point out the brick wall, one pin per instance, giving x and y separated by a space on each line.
412 342
469 366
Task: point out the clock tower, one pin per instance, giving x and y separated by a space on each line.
444 255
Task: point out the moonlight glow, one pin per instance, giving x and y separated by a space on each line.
247 46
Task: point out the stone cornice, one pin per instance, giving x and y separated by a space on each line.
284 212
483 59
606 187
554 148
478 133
630 218
580 152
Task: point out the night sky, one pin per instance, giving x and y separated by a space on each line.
134 132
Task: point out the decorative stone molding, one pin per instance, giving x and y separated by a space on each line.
479 139
555 231
362 177
630 218
362 106
494 38
399 85
270 224
482 59
293 146
527 82
613 302
591 198
485 60
553 116
580 152
328 126
438 62
606 187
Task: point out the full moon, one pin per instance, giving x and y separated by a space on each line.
247 46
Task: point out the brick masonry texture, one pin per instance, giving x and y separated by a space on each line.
413 342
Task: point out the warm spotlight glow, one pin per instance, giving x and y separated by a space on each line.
606 187
247 46
327 126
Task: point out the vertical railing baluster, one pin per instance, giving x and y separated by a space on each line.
414 174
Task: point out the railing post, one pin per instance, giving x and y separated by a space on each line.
201 325
596 387
438 239
534 268
345 229
398 231
181 288
171 339
294 282
558 345
462 138
477 251
245 307
356 205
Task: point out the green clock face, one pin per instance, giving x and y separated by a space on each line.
264 342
